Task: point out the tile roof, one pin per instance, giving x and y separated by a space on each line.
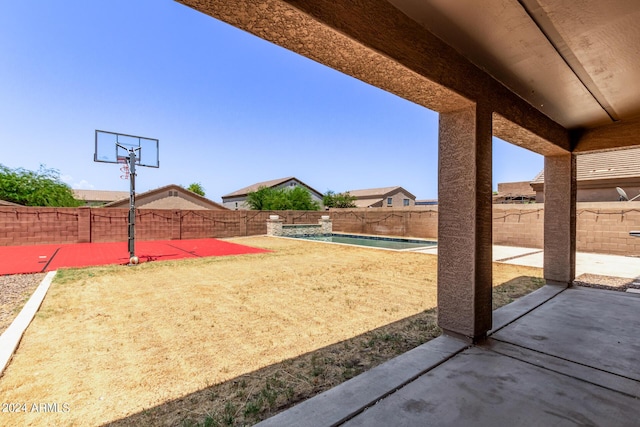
272 183
377 192
161 203
604 165
254 187
521 188
99 195
176 203
365 203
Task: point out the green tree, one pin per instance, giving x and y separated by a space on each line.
40 188
340 200
259 199
299 199
197 188
276 199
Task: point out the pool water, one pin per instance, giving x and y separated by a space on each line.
372 241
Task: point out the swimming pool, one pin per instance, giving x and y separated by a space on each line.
396 243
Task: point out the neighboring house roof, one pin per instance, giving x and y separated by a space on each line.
99 195
372 196
379 193
269 184
521 188
426 202
365 203
619 164
6 203
514 192
168 197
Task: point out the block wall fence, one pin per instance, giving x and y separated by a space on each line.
601 227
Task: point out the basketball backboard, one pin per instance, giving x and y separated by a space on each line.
110 147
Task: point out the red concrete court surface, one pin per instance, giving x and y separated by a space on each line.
41 258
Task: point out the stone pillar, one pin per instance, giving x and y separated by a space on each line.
464 223
326 227
274 226
560 219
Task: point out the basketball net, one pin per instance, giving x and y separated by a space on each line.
124 168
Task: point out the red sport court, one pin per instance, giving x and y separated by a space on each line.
41 258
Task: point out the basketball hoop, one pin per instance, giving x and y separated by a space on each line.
129 152
124 168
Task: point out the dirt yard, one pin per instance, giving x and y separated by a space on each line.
223 340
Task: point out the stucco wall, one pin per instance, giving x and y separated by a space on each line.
601 227
420 221
594 192
397 200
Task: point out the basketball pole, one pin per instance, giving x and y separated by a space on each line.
128 152
132 203
131 160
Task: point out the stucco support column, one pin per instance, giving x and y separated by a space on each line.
464 222
560 219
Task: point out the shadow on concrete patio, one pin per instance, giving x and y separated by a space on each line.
559 356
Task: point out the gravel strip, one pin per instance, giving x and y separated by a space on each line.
603 282
15 290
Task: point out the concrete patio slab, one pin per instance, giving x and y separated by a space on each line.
558 356
505 253
600 264
340 403
511 312
432 250
592 327
607 265
484 388
586 263
499 253
576 370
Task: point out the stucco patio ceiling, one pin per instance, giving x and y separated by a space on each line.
573 62
576 61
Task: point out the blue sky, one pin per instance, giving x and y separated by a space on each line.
229 109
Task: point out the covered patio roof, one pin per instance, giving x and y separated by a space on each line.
551 69
552 76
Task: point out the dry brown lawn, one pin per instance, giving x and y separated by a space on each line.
222 340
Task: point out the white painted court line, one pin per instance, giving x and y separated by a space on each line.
10 339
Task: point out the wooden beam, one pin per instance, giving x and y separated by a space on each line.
613 136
